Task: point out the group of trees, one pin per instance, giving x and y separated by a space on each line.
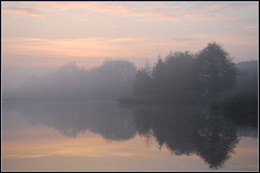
112 80
183 76
243 97
180 77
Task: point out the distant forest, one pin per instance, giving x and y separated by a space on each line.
180 77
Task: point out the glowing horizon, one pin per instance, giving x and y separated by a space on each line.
40 36
89 32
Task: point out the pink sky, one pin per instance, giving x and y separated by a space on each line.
89 32
50 34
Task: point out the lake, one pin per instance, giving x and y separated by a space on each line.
104 135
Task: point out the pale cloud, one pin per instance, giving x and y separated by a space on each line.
184 39
124 9
153 11
204 17
95 46
96 30
117 47
172 11
110 8
86 51
211 11
23 11
111 26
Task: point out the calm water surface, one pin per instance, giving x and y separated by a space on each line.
103 135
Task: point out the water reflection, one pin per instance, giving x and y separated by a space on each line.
184 130
72 118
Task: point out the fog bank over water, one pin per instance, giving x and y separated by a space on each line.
70 81
14 77
130 86
113 73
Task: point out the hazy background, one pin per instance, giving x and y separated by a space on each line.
38 37
130 85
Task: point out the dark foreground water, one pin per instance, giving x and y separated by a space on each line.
103 135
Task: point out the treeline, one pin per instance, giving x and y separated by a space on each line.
183 77
247 77
243 97
112 80
180 77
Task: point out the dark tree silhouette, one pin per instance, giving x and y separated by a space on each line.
159 78
184 77
179 76
142 86
216 71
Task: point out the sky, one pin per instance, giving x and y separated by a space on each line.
45 35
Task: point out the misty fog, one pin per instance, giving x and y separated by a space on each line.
180 77
200 104
139 86
112 80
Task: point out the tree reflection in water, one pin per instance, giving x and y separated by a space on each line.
74 117
184 130
189 130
